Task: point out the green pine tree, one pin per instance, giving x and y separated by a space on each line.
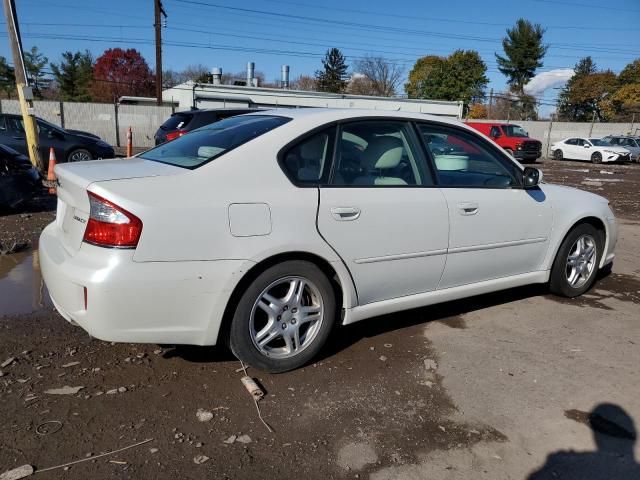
524 52
333 77
74 75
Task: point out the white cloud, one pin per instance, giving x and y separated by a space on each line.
546 80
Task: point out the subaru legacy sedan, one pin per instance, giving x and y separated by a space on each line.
265 231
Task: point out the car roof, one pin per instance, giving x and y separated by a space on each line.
218 110
326 115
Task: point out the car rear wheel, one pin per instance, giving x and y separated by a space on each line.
596 157
284 317
576 265
558 155
79 155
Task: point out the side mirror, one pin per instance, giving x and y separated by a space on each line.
531 177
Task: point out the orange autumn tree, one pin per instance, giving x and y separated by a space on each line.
119 72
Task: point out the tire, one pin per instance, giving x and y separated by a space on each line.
558 155
79 155
267 341
596 157
567 279
509 151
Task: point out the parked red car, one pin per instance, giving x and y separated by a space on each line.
513 138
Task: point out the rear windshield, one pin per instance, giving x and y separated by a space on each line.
204 144
177 121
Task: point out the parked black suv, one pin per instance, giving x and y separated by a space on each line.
69 145
180 123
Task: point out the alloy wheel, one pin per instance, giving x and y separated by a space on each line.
581 261
286 317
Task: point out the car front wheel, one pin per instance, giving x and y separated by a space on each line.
576 265
596 157
79 155
284 317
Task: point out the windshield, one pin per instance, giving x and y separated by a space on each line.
514 131
204 144
596 142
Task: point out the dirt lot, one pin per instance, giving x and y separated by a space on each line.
498 386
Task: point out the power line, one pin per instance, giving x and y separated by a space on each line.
587 5
375 27
440 19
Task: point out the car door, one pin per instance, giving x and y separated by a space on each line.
381 213
584 149
496 228
13 136
569 148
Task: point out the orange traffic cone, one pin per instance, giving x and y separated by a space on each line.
51 176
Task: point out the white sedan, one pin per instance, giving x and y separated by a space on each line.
266 230
590 149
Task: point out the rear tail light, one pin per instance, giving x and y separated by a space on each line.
110 225
174 135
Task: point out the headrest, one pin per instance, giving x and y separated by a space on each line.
384 152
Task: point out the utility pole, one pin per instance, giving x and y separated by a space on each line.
25 94
490 104
158 10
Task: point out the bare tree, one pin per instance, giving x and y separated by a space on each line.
360 84
384 77
304 82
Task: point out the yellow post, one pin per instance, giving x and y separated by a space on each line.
25 94
30 126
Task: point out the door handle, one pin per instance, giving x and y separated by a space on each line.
468 208
345 214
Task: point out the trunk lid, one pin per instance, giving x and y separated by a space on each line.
74 178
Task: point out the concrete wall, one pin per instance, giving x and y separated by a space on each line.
100 119
550 132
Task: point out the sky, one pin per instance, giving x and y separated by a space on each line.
228 34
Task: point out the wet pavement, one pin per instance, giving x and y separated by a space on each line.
22 289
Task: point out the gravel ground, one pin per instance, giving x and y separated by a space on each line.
497 386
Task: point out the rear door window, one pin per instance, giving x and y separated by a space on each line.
308 162
207 143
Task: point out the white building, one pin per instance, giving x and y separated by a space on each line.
188 95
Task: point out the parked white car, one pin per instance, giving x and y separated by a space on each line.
630 143
590 149
265 230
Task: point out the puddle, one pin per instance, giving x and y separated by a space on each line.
21 287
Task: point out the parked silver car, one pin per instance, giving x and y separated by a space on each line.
630 143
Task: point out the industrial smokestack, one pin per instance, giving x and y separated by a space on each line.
216 75
251 67
285 76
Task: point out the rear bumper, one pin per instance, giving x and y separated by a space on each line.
150 302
